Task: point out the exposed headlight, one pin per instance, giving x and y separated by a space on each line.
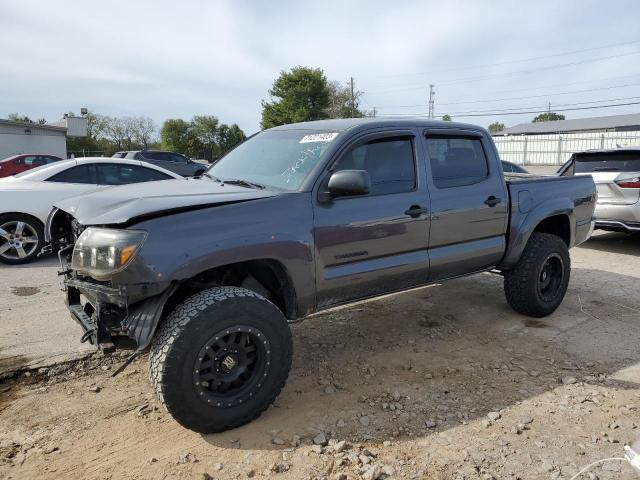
101 252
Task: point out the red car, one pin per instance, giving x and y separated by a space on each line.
21 163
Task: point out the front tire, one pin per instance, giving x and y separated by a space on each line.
220 359
21 238
537 284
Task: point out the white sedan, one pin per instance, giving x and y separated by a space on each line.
27 198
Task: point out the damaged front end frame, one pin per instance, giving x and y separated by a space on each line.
107 319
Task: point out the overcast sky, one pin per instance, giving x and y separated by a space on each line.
168 59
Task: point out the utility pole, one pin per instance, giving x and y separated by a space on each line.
549 110
432 94
353 101
374 112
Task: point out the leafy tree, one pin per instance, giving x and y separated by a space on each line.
202 137
228 138
548 117
340 101
176 135
446 117
496 127
299 95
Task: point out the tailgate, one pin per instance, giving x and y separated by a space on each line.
614 188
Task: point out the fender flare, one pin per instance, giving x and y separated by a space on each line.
526 223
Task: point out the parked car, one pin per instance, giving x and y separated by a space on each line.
175 162
21 163
298 219
616 174
27 198
510 167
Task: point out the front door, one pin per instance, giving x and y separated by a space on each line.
469 203
375 243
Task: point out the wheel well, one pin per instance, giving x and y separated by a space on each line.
557 225
35 219
266 277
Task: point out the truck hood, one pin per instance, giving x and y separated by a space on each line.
127 203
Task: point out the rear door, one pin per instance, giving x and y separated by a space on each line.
616 175
375 243
469 203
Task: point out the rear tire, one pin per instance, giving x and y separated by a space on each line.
537 284
220 359
21 238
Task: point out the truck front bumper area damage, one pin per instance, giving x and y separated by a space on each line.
107 319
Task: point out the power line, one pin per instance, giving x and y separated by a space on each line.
555 105
517 72
543 110
519 98
510 62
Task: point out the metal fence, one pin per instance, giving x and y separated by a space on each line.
557 148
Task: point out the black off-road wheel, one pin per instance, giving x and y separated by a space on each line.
220 359
21 238
538 283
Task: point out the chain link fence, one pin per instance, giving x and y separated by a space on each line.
556 149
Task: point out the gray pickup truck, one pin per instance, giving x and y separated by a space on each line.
208 273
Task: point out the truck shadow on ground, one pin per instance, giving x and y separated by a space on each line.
430 360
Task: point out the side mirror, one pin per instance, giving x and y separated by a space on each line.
349 182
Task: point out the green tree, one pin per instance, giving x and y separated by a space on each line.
446 117
228 138
176 135
496 127
296 96
202 137
548 117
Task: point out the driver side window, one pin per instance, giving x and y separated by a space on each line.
389 161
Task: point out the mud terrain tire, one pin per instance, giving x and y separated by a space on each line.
220 359
537 284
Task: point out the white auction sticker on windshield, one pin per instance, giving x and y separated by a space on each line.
319 137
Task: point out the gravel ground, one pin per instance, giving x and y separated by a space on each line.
444 382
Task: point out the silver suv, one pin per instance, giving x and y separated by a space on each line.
616 174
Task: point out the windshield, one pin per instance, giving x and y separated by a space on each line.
618 162
278 159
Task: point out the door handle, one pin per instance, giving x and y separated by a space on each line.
415 211
493 201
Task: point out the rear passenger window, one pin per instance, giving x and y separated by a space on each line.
456 161
116 174
389 161
80 174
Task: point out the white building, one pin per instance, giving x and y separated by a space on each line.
552 143
20 137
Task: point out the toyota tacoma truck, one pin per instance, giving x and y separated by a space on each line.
208 274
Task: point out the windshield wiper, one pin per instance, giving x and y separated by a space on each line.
243 183
606 169
215 179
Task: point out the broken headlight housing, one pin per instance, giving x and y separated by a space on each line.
101 252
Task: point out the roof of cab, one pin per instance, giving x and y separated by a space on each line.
344 124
